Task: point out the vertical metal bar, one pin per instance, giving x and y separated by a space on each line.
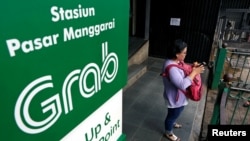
248 71
216 112
236 105
242 69
147 20
230 62
236 66
220 60
244 120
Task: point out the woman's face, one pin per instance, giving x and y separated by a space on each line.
181 56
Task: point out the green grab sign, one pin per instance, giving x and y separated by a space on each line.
63 67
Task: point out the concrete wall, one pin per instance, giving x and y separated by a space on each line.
140 56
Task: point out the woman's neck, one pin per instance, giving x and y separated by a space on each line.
176 61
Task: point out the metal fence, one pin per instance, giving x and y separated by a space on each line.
235 63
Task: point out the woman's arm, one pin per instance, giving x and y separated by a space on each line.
178 78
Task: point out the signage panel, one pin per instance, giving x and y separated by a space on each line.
108 123
60 62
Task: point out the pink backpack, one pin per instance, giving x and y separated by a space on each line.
194 91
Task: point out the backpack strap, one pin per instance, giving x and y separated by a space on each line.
180 66
166 74
176 65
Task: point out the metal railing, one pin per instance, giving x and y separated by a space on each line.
235 90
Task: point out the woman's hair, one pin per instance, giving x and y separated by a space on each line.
176 47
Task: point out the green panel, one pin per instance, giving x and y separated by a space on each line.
60 60
122 138
220 60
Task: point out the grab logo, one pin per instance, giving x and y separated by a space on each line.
53 105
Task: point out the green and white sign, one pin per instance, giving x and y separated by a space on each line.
63 65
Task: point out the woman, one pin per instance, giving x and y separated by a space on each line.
173 84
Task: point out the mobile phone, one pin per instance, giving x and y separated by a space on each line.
203 63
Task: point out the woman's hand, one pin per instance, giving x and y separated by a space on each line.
197 69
